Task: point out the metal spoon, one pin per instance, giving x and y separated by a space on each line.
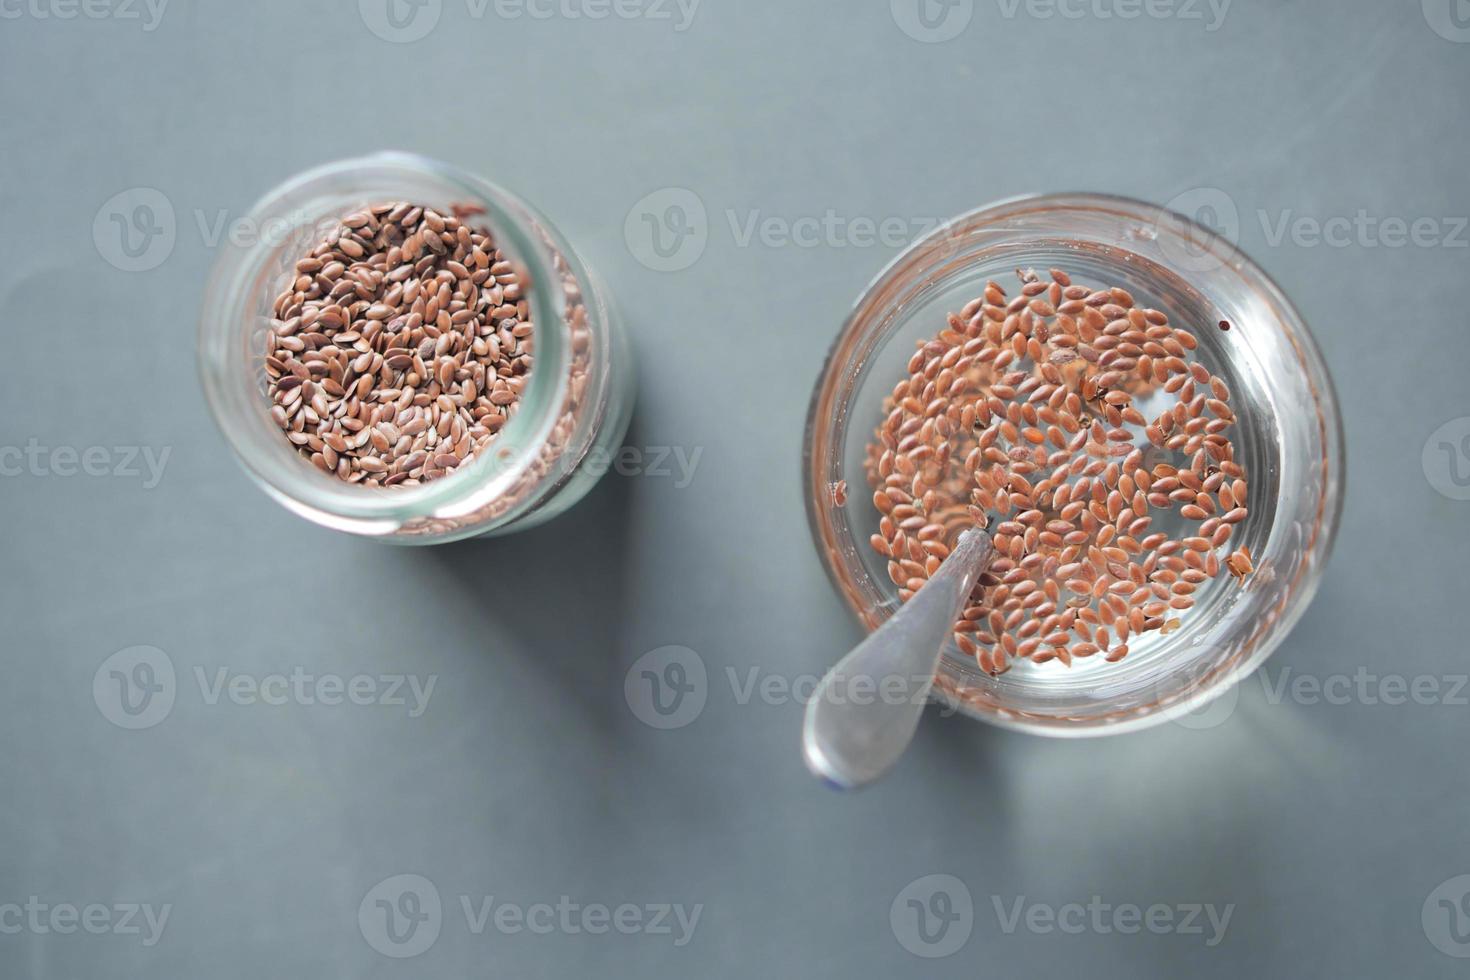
854 731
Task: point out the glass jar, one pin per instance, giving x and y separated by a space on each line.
1288 436
574 407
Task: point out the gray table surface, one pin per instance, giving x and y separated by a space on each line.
528 798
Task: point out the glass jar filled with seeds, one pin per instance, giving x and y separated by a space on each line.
1138 416
410 353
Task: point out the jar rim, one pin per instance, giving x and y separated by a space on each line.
862 334
240 271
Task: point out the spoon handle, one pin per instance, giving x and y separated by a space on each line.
866 710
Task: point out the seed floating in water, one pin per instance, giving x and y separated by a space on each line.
1066 420
1240 564
400 348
